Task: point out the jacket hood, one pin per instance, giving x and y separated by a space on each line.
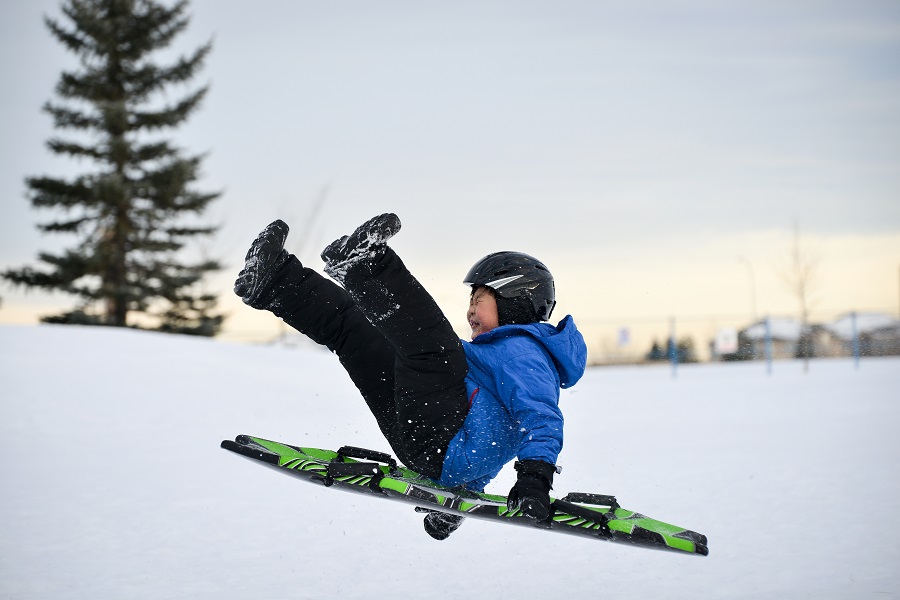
564 343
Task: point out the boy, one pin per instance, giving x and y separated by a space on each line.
454 411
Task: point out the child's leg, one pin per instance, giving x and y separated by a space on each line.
274 280
430 371
325 313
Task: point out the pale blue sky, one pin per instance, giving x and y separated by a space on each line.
638 148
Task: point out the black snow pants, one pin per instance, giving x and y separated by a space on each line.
396 345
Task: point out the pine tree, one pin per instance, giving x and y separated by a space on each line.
136 208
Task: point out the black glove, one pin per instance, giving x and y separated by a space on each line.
440 525
532 490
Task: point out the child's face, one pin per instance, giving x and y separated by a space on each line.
482 313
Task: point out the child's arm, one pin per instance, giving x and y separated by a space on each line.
528 386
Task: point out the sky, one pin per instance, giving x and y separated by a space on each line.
657 156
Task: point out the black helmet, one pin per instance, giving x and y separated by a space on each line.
518 278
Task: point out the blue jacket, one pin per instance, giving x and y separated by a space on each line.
515 374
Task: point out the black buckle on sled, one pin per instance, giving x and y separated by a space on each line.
595 499
364 454
339 468
568 505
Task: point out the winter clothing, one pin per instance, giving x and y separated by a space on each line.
515 276
515 311
409 366
453 411
440 525
265 256
531 492
515 374
360 248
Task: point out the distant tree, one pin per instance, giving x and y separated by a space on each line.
801 278
684 351
656 353
135 208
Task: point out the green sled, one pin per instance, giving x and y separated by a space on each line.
377 474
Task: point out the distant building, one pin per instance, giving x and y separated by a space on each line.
878 334
785 335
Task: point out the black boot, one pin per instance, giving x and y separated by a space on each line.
265 256
440 525
360 246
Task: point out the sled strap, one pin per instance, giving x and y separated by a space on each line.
339 468
595 499
364 454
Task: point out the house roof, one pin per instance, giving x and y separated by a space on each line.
781 329
866 322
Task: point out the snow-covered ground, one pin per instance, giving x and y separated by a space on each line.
113 485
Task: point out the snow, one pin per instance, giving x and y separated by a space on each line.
114 485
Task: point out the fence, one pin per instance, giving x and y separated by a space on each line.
679 339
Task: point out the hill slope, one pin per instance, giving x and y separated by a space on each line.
114 485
